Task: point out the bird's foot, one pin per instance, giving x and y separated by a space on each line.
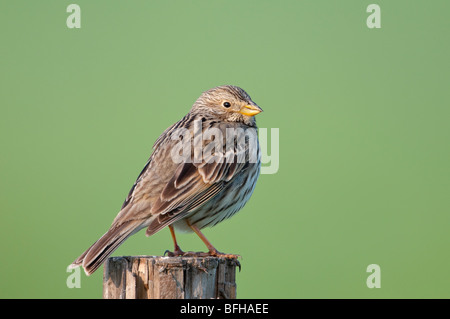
213 253
217 253
176 253
180 253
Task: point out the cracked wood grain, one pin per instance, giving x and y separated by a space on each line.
156 277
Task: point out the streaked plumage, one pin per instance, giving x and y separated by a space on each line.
193 194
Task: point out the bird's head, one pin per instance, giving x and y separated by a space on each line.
227 103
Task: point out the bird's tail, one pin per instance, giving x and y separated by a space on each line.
95 255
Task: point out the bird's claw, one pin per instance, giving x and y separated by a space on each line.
175 253
180 253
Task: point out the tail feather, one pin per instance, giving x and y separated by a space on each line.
95 255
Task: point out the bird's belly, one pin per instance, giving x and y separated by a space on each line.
224 205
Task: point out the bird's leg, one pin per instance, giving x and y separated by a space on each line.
212 251
177 250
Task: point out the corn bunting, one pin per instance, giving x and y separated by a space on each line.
203 170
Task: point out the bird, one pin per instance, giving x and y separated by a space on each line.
202 170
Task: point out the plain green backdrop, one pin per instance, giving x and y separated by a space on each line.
363 116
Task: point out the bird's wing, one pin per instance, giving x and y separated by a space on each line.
193 184
169 191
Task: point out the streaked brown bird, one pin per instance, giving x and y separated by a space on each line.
200 190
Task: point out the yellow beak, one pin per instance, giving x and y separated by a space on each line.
250 110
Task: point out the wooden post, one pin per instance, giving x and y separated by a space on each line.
156 277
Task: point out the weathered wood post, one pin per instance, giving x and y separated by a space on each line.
156 277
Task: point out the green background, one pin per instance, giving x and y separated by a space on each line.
363 114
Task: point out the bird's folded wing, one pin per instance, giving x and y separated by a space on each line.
169 191
191 186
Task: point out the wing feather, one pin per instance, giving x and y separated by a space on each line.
192 184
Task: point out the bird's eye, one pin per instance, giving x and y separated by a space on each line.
226 104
